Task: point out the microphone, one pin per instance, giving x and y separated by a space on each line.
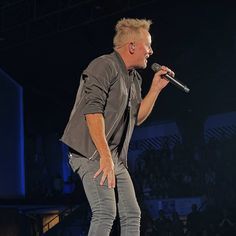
156 67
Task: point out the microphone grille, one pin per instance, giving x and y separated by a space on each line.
156 67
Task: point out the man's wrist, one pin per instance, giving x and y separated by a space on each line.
107 156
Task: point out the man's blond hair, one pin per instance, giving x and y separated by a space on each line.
127 29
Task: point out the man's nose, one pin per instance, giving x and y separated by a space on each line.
150 51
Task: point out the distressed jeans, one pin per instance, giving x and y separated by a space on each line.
104 202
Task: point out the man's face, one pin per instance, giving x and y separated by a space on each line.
142 50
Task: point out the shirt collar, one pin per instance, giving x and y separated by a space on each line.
130 72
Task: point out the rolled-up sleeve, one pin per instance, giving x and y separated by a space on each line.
97 78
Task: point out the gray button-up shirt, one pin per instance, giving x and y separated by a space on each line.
105 87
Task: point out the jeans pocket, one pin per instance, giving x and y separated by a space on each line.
77 163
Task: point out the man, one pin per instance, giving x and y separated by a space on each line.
107 106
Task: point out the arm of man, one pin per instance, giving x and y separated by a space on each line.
96 126
158 83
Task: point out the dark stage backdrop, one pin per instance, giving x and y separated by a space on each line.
12 179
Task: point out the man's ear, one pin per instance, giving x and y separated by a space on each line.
131 48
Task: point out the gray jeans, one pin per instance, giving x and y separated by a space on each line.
103 200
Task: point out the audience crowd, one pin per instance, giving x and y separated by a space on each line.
206 171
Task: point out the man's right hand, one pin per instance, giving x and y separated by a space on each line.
107 170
